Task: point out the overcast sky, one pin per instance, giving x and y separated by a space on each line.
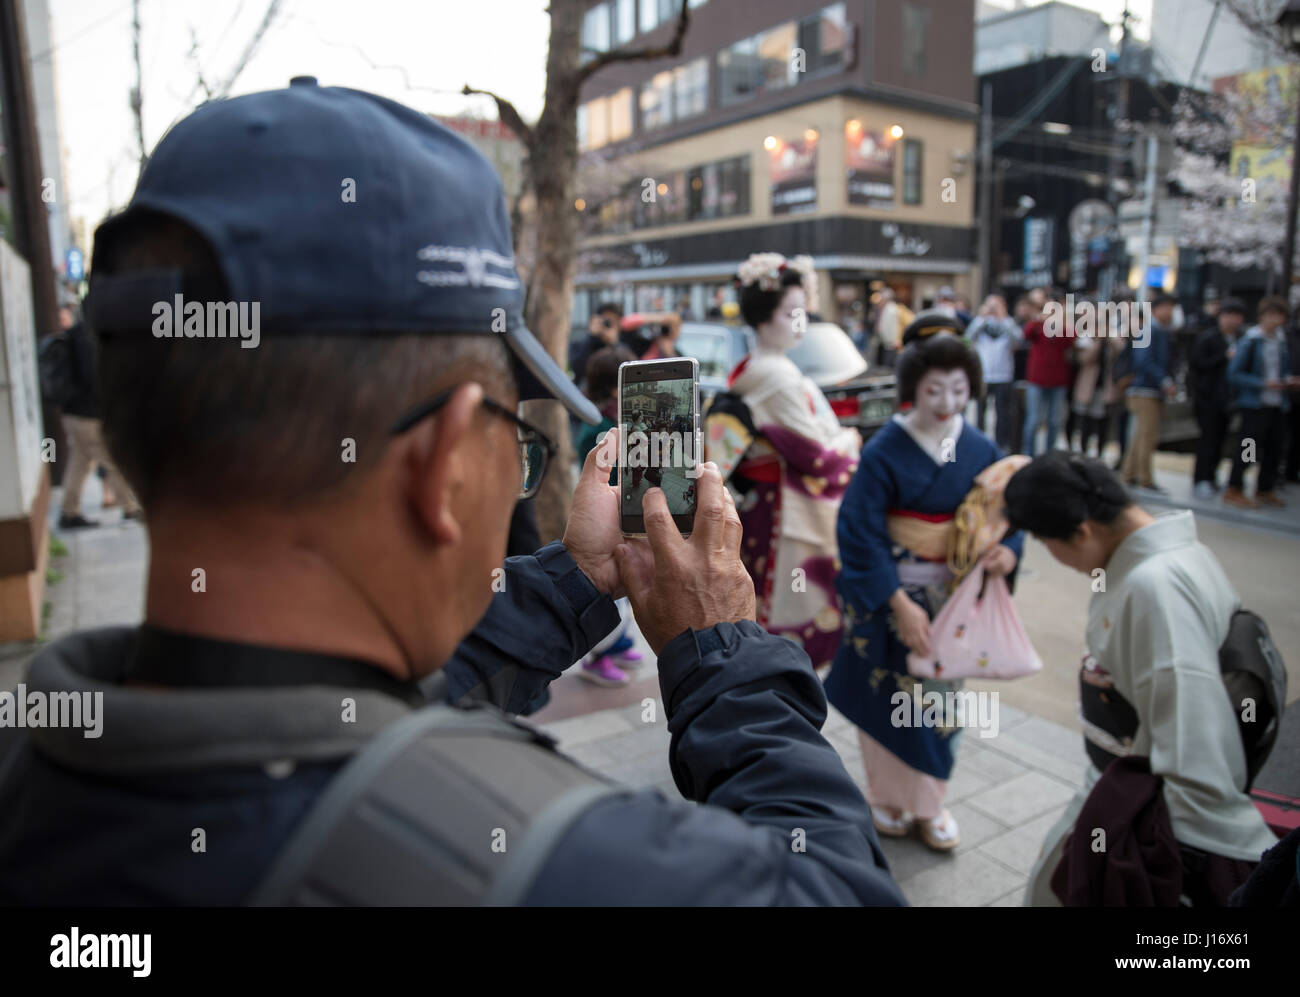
420 52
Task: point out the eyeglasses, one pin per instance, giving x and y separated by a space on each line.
535 448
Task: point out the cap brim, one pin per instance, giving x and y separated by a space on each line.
541 377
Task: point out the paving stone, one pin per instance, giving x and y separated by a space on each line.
837 721
968 880
965 781
637 744
640 774
1031 756
847 747
909 857
1010 717
995 766
975 827
1019 800
1053 738
587 728
1019 847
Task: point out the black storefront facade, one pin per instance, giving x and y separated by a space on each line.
853 256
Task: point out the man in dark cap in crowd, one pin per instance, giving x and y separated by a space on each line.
327 511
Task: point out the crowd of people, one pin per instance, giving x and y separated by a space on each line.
335 706
1103 389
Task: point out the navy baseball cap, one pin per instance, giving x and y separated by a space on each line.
340 212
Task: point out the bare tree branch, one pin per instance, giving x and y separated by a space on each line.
201 82
1260 18
508 115
272 9
674 47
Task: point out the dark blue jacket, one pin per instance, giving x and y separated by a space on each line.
89 821
1151 361
1246 369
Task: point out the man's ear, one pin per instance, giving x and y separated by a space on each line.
440 461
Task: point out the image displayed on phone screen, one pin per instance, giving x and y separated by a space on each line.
658 418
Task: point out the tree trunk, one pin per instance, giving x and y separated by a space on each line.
552 164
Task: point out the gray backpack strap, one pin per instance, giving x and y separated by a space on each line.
446 806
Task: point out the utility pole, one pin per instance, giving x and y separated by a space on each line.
136 99
1288 251
1148 212
987 221
1118 112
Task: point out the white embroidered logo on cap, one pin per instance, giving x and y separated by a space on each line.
474 266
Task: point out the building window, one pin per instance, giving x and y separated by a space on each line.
598 122
620 115
824 39
738 77
583 138
657 12
691 89
595 30
766 62
916 28
733 188
624 21
714 190
775 48
657 101
911 171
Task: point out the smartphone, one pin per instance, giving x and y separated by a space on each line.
659 439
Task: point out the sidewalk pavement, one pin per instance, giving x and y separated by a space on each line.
1173 473
1006 791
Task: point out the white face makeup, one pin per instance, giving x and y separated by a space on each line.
780 332
940 395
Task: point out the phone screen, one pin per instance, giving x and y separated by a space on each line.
659 421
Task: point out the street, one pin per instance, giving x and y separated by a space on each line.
1005 792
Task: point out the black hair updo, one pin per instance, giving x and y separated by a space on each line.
758 306
938 351
1054 494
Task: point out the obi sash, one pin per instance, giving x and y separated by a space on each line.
926 535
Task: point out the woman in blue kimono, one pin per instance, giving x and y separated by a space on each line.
893 530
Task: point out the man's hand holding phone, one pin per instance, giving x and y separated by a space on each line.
593 531
678 584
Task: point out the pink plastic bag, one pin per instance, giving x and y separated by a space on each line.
977 638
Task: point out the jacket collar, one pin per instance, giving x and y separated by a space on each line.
144 729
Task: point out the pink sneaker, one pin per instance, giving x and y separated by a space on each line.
631 657
604 672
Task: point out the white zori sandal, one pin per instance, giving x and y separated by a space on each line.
940 833
892 823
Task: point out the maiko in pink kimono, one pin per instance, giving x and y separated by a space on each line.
789 460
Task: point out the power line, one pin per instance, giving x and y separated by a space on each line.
353 46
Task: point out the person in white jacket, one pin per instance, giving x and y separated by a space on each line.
1159 612
995 336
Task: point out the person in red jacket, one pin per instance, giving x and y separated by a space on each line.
1050 338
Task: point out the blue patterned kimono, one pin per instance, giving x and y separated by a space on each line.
871 664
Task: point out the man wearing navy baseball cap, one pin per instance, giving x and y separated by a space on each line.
311 353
